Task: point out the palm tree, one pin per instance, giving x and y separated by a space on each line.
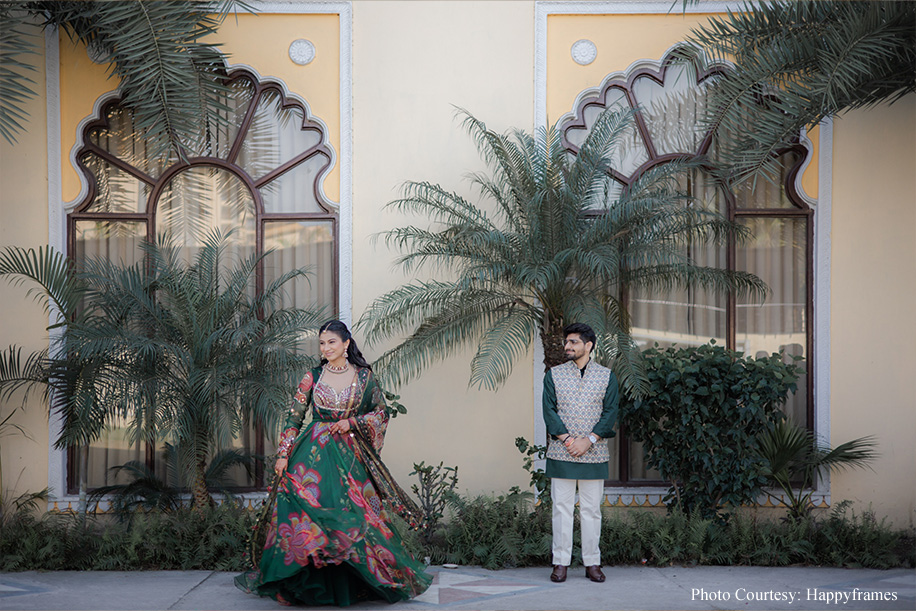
167 76
182 351
555 250
797 62
793 455
147 491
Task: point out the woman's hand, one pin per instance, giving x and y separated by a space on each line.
280 465
340 427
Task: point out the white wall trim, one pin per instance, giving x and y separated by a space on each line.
57 209
805 140
822 272
57 478
822 220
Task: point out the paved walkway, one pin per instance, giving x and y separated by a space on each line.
627 587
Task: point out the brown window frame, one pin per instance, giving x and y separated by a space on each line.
158 184
799 210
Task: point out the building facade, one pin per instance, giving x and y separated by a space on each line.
335 104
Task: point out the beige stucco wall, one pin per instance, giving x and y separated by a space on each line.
873 289
24 222
412 63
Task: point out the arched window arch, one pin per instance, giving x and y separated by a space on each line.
668 99
258 173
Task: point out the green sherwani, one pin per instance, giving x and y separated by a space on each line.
578 405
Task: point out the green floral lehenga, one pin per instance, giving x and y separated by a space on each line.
330 540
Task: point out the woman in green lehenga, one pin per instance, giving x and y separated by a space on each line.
330 540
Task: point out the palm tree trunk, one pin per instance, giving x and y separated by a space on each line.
202 498
83 505
552 340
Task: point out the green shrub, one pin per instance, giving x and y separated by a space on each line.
213 539
505 531
500 532
539 480
436 485
700 420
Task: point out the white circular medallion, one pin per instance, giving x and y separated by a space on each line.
583 52
302 51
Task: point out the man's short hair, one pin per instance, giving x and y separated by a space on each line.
583 331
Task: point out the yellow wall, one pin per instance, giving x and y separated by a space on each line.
412 63
873 289
24 222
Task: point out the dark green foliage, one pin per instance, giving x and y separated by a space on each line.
794 458
169 77
436 486
701 420
506 531
863 541
797 62
530 258
212 539
393 405
677 538
539 480
495 533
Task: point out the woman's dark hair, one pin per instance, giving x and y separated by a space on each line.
340 330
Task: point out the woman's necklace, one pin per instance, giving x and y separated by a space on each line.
340 369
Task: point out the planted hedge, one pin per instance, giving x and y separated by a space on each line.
701 419
500 532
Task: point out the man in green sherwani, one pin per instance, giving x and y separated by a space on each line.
580 410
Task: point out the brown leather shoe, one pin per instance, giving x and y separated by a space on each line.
559 573
594 573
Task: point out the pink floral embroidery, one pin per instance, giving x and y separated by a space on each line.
305 482
305 385
355 492
287 438
345 542
300 538
321 432
380 561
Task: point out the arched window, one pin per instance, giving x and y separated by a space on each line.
258 173
668 99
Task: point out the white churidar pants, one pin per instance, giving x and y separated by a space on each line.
563 495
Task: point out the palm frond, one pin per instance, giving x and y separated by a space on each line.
545 259
17 373
797 63
501 346
169 78
16 44
51 271
439 336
